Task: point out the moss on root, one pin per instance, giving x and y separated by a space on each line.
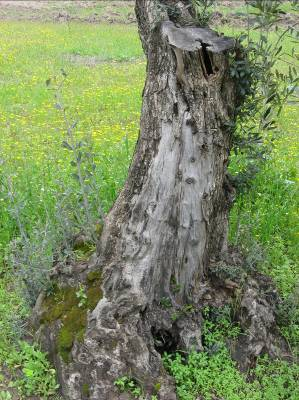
63 305
65 341
85 390
94 276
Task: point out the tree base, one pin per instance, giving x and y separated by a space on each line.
122 339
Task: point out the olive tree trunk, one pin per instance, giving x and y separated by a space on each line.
170 221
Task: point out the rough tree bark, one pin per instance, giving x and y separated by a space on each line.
169 225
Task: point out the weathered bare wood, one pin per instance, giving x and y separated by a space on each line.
191 38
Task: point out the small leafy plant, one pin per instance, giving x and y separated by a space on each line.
37 375
165 302
81 296
5 395
218 326
126 384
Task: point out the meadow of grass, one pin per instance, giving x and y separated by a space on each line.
104 99
105 71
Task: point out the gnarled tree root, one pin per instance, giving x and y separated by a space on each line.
123 338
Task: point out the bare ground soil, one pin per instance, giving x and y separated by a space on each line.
74 10
108 11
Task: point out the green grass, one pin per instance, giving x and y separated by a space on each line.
105 100
268 213
102 91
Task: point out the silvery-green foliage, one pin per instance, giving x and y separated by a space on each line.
263 87
89 206
203 10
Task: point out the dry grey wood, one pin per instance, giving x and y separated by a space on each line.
191 38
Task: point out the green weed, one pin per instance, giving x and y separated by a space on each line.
126 384
5 395
216 375
37 375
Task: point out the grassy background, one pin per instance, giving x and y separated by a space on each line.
105 99
102 91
